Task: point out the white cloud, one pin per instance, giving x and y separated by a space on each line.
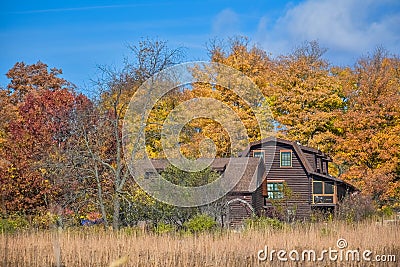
343 26
226 23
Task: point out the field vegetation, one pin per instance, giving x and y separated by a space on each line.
96 246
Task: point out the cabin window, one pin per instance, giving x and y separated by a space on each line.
286 158
323 192
317 187
318 163
322 166
328 188
259 154
275 190
150 175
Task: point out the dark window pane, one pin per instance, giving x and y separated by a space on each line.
317 187
258 154
328 188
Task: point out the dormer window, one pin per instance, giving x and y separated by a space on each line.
286 158
318 164
259 154
322 166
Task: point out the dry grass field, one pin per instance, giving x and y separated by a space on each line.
98 247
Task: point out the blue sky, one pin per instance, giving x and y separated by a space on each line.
77 36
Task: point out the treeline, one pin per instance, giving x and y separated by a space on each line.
62 151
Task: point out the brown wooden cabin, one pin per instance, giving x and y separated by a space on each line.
305 172
270 163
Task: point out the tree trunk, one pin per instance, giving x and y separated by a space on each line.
116 206
101 204
100 197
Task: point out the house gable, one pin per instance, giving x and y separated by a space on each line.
307 164
285 163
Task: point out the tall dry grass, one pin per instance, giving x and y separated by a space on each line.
96 247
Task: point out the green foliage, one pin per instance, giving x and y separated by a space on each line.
44 220
260 223
163 228
200 223
386 211
192 179
12 224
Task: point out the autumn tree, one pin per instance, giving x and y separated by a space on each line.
157 116
305 97
8 112
58 148
219 84
299 88
368 147
116 88
240 54
44 105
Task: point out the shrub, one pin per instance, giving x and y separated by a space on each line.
263 223
200 223
163 228
44 220
321 215
385 211
355 208
12 224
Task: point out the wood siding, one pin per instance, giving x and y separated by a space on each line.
295 177
237 210
258 200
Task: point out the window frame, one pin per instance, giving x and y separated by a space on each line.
322 187
259 151
324 194
281 152
276 191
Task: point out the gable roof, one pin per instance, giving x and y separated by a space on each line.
252 170
315 151
253 174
